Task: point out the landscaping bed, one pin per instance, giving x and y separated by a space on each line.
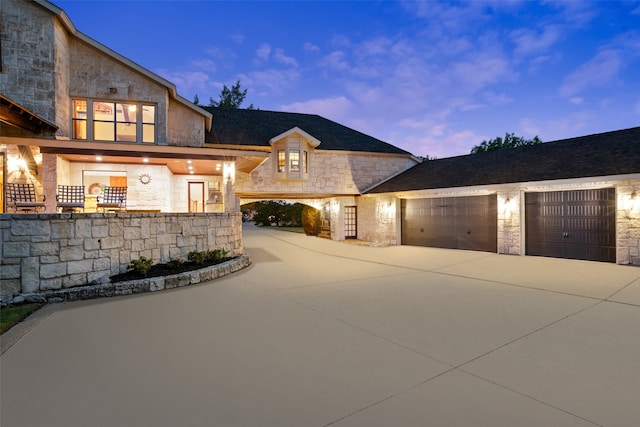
166 269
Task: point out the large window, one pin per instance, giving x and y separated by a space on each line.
114 121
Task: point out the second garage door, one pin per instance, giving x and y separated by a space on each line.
579 224
451 222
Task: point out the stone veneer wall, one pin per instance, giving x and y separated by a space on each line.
330 172
379 220
379 216
43 252
28 57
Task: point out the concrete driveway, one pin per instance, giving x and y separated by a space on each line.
320 333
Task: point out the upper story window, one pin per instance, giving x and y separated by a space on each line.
291 154
113 121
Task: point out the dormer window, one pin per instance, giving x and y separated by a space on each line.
291 151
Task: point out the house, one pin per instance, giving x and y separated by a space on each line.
310 159
75 113
575 198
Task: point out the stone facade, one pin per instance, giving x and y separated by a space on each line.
330 173
379 216
55 251
28 57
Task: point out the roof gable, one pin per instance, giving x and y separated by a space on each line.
605 154
314 142
234 127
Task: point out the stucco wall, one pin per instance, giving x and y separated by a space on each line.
49 251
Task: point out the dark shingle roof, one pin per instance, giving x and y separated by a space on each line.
257 127
610 153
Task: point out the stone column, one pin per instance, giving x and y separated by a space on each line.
229 184
50 180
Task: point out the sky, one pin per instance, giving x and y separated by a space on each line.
435 78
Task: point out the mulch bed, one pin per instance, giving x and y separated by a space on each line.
158 270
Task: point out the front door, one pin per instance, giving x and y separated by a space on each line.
196 196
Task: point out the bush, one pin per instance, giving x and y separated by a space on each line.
141 265
175 264
198 257
310 221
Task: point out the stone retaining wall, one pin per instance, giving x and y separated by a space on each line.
45 252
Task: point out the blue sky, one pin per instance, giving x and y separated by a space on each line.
432 77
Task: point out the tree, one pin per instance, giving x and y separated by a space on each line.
231 98
196 100
509 141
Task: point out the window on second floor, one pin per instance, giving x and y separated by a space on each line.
113 121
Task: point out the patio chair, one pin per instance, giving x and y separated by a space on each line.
70 197
113 199
22 197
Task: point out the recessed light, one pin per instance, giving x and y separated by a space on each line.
99 159
145 160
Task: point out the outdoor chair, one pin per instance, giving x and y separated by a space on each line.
22 197
70 197
113 199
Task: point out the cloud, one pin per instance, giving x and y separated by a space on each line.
310 47
237 38
276 81
263 52
529 41
596 72
280 57
189 82
326 107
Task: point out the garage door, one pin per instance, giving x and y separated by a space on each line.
451 222
577 224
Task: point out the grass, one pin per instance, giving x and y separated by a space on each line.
12 315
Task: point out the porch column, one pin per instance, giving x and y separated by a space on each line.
231 204
50 180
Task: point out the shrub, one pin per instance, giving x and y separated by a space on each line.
174 264
141 265
197 257
219 254
310 220
200 257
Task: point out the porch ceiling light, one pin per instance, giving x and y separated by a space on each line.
145 160
98 158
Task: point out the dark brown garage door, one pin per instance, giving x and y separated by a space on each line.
578 224
451 222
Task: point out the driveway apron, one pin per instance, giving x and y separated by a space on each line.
324 333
